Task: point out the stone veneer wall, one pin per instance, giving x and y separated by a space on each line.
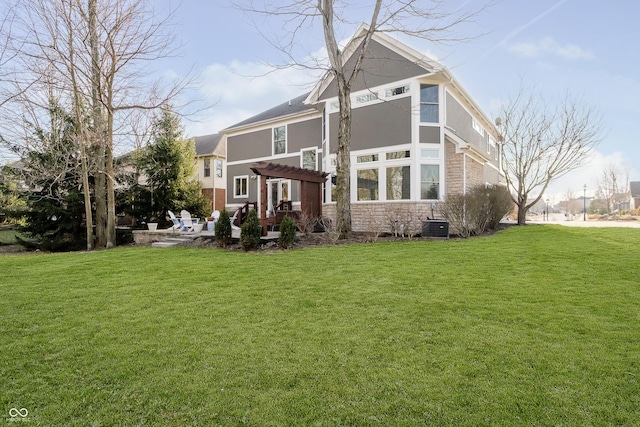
381 216
475 173
453 167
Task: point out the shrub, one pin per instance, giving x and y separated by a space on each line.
479 210
223 229
287 233
330 232
251 231
453 210
306 223
500 204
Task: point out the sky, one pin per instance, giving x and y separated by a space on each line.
585 48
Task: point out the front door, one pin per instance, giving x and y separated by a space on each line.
278 189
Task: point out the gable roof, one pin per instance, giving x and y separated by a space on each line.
305 103
635 188
289 108
209 144
429 64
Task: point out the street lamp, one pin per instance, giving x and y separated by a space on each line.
547 209
584 203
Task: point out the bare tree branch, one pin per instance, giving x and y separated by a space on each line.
542 142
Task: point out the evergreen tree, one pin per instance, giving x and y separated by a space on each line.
223 229
169 164
251 232
50 170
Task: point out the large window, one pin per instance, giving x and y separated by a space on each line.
429 103
240 186
368 184
399 183
279 140
429 182
310 159
207 167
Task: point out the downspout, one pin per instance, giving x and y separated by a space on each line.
213 185
464 173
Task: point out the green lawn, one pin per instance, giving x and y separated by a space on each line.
534 326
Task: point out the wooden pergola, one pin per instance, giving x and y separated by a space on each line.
310 185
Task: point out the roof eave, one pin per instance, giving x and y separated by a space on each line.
233 129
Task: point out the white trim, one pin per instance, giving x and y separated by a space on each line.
278 182
264 158
475 124
438 103
240 196
273 139
273 122
440 180
402 49
303 150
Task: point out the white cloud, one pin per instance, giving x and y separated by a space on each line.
548 46
239 90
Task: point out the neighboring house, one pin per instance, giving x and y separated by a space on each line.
416 136
635 194
210 168
622 202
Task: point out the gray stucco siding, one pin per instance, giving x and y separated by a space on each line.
249 145
377 125
491 175
234 171
304 135
381 66
460 121
429 135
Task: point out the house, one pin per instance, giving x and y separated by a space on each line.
210 168
634 187
416 137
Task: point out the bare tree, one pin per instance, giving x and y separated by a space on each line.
429 20
96 54
612 184
541 143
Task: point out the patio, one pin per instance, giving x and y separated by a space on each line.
148 237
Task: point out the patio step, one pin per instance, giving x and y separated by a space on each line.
172 241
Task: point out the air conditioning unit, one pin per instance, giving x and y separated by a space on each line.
435 228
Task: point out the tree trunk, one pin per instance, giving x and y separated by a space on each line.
109 174
82 132
343 163
87 195
100 197
522 214
98 129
